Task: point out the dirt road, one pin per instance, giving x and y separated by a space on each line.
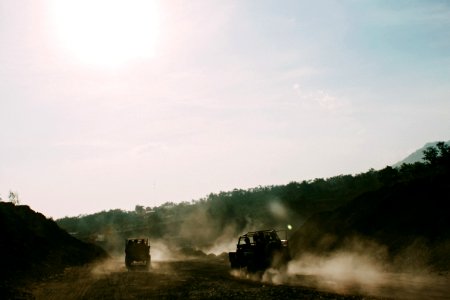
190 279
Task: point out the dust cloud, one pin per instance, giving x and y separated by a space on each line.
160 251
363 270
341 272
362 267
112 265
225 243
356 273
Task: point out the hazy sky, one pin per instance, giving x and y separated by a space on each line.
108 104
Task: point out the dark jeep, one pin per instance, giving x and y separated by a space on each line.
260 250
137 253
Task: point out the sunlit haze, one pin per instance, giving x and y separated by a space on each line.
105 32
110 104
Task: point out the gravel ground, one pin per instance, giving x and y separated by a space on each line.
203 279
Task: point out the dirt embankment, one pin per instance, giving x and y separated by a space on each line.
34 246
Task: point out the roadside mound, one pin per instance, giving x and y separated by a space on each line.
34 246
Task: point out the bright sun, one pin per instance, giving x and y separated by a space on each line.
106 32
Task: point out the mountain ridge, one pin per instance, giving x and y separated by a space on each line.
417 156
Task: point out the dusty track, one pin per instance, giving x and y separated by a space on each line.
191 279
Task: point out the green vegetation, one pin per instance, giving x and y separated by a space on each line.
202 222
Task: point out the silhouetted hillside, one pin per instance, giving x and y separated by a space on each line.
409 219
374 204
221 217
34 246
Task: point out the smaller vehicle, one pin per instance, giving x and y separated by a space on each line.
259 250
137 253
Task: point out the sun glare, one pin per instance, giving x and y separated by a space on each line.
106 32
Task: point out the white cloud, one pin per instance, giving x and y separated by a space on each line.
321 99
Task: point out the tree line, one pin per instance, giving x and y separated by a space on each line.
218 215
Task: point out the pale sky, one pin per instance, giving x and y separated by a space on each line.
107 104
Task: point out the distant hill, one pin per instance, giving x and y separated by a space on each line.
410 220
33 246
416 156
219 218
